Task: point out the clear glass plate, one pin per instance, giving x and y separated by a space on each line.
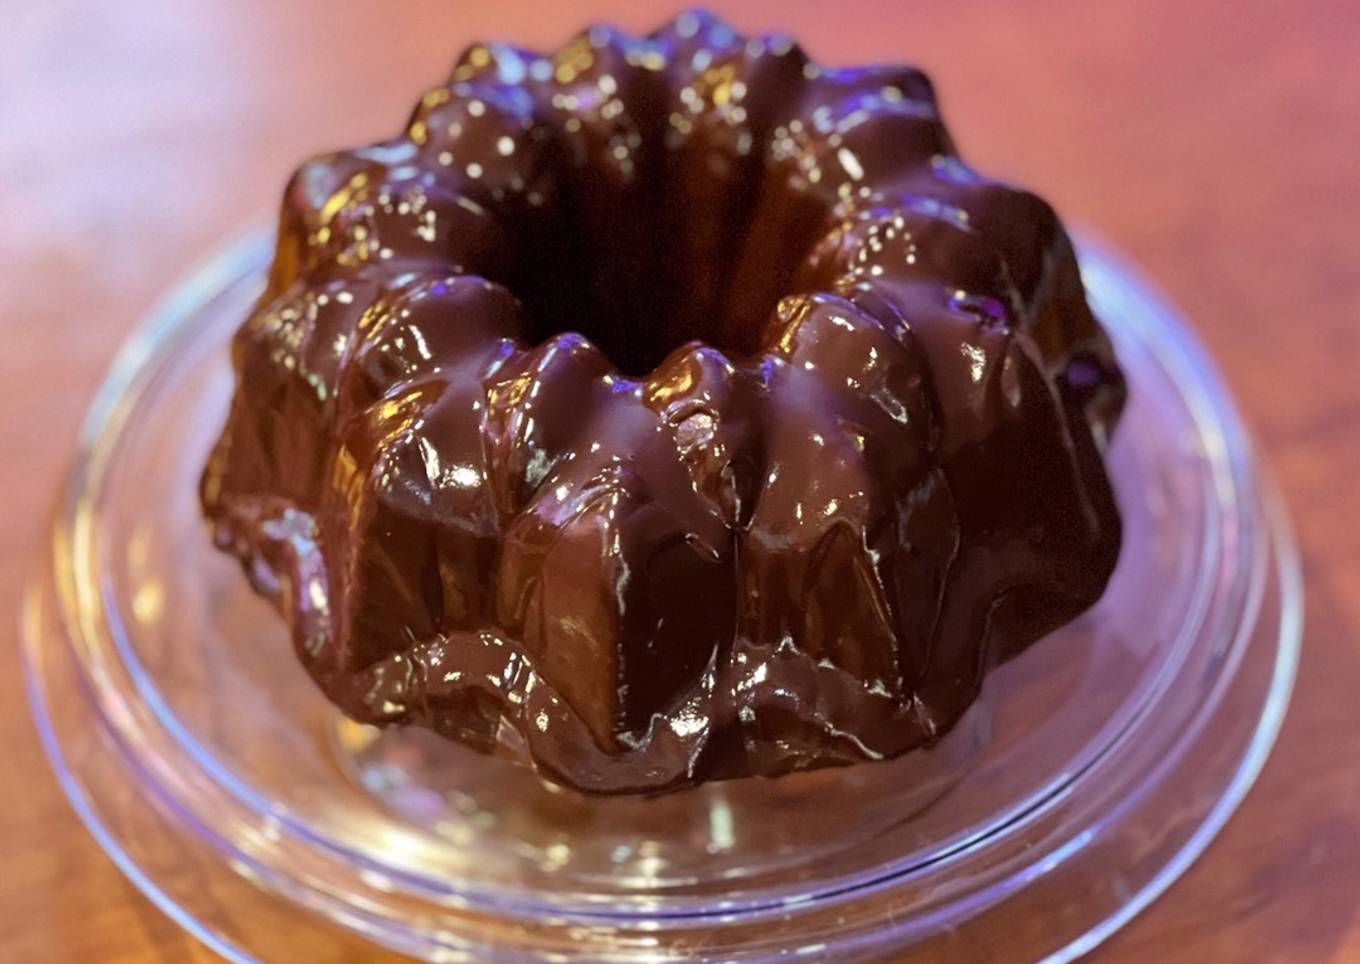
1094 769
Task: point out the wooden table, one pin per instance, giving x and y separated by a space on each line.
1217 142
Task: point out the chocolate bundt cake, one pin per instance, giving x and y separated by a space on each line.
666 410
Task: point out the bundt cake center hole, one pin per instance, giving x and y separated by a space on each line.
689 250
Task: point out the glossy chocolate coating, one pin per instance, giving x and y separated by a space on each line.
667 410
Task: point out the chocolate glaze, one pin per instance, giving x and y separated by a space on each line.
666 410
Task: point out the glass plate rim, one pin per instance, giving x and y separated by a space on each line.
1213 411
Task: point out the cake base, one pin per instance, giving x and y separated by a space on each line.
1095 768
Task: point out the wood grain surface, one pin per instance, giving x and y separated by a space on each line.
1216 142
